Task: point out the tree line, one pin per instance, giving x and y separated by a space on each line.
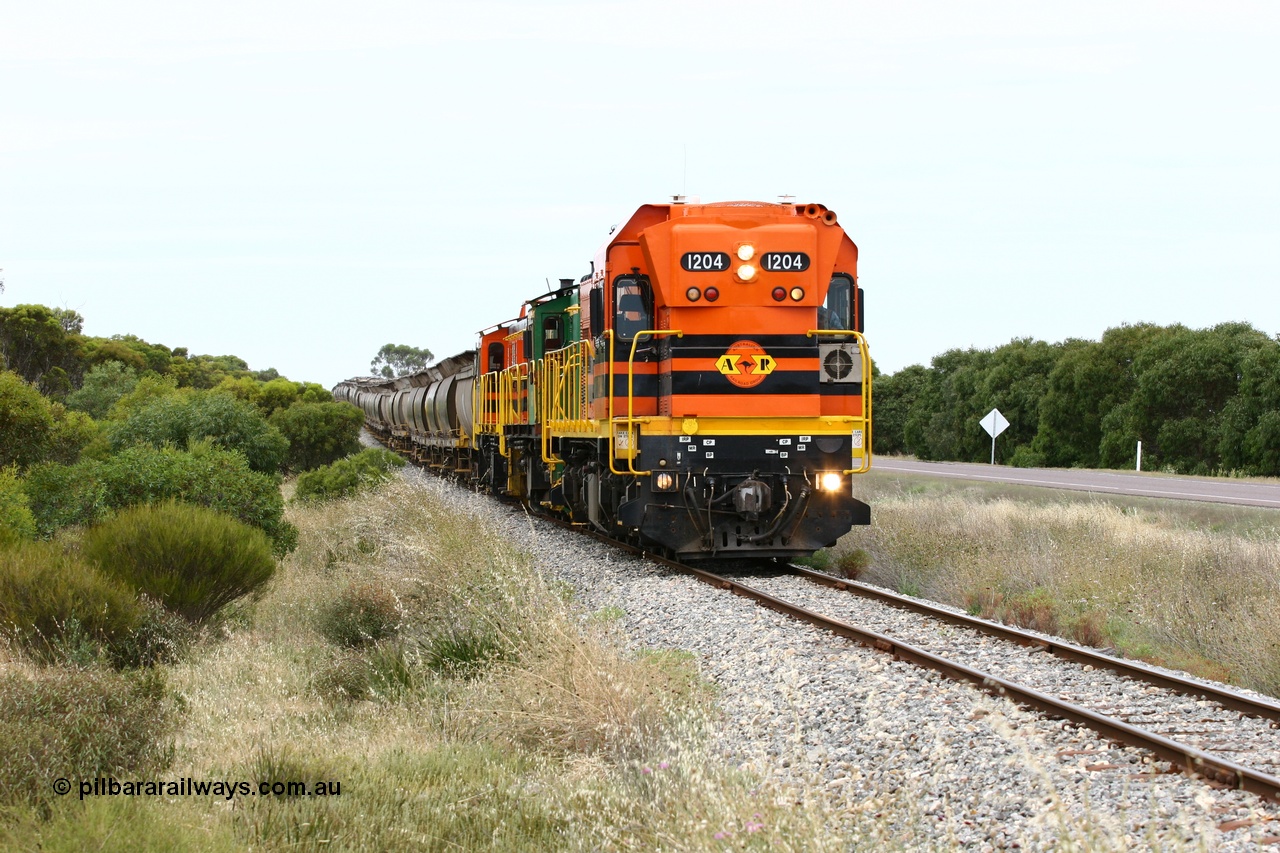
1201 401
89 426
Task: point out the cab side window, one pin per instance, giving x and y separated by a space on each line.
633 306
552 333
495 356
837 311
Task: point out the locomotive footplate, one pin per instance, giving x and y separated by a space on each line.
767 495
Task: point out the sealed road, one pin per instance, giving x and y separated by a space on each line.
1215 490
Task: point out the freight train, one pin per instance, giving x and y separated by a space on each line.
703 391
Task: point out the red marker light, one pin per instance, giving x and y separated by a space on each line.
712 294
779 294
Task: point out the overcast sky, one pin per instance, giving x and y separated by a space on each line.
300 183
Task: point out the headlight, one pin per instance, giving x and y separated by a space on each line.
664 481
746 272
746 252
829 481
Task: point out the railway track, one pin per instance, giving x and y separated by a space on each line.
1141 711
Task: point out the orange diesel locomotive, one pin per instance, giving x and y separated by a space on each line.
704 391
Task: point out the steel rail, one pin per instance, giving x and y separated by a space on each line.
1194 760
1255 707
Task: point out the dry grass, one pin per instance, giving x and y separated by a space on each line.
549 737
1191 587
552 739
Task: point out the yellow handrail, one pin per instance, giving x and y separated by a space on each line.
631 417
562 390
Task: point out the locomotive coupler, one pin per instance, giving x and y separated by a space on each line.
752 497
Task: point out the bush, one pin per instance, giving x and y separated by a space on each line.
88 492
193 560
319 433
59 607
464 651
851 564
1025 457
80 724
65 495
348 476
148 390
26 419
228 423
103 386
16 520
363 613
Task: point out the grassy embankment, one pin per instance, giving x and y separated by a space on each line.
1189 585
460 702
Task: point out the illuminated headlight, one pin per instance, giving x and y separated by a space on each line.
797 293
664 481
746 252
829 481
746 272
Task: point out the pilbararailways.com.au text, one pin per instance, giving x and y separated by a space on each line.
188 787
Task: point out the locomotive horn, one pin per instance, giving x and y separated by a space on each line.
829 217
813 211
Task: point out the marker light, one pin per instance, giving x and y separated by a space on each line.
712 294
797 293
779 294
829 481
746 272
746 252
693 294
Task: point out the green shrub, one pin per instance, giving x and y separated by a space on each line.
364 613
819 561
26 419
192 559
16 521
103 385
88 492
228 423
65 495
148 390
1025 457
319 433
349 476
79 724
57 606
278 393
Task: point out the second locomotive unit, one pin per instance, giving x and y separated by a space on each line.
704 391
